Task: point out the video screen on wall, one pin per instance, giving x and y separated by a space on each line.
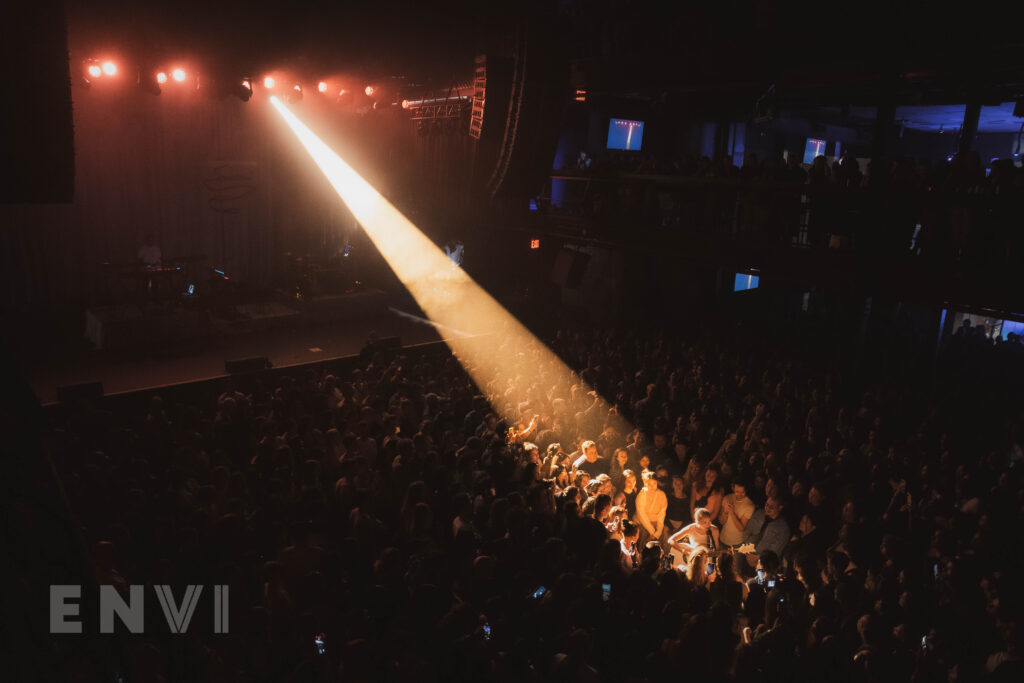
625 134
745 281
813 148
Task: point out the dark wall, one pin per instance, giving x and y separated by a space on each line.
936 146
36 134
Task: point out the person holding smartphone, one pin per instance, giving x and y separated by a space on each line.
628 555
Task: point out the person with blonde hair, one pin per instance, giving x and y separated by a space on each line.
697 572
693 537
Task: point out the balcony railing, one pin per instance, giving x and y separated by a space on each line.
982 226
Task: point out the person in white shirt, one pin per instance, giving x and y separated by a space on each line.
737 509
651 505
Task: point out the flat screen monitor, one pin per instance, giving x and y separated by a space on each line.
625 134
745 281
813 148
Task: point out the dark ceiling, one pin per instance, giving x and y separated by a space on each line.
622 45
377 38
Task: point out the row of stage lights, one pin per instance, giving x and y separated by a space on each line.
96 70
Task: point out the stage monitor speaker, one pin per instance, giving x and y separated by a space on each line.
80 392
388 345
569 268
247 365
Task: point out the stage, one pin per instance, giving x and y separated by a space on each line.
203 358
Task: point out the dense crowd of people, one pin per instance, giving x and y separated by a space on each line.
771 515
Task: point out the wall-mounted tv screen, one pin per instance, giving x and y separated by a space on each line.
625 134
813 148
745 281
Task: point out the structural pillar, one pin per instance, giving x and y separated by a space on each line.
882 137
721 138
969 130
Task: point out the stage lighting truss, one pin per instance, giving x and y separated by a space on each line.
441 108
172 76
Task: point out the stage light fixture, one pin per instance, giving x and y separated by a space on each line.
322 86
94 70
405 104
368 90
242 90
295 94
448 296
268 83
178 75
109 68
161 77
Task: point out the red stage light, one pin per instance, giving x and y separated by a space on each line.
268 82
534 244
178 75
369 90
405 104
247 84
94 71
322 87
297 87
109 68
161 77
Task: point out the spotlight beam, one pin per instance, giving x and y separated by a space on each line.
510 354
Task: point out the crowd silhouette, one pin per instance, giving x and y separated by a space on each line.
385 524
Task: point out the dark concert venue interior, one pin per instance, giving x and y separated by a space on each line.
515 340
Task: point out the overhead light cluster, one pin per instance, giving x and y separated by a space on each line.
107 70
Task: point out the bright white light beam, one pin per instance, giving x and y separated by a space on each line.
510 365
